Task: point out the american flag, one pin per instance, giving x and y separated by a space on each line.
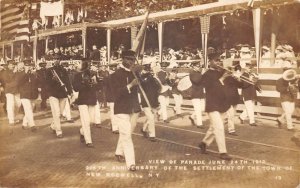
14 22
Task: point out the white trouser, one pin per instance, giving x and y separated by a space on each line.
57 106
12 100
216 130
248 111
230 119
67 111
149 125
97 114
178 102
28 117
164 102
125 147
288 110
199 107
87 115
114 126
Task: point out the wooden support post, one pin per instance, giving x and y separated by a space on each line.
35 46
108 43
274 31
257 23
84 30
160 40
22 51
133 33
46 44
12 50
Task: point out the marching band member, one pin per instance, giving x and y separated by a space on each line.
288 87
110 100
87 84
152 88
97 122
59 88
27 84
41 73
173 82
216 106
198 96
164 93
231 86
9 80
126 107
249 95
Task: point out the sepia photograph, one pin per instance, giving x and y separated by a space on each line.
150 93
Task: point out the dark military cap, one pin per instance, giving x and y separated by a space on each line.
11 61
128 54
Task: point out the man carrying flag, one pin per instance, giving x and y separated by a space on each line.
126 103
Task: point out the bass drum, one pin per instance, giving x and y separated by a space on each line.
184 84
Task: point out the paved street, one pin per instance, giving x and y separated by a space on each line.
264 156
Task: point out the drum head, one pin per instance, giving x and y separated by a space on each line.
184 84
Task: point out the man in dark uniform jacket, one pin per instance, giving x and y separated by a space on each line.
216 106
249 96
95 54
288 87
41 74
165 92
231 86
59 88
9 80
152 88
110 100
198 97
28 86
87 84
126 107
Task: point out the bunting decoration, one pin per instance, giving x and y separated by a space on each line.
14 22
205 24
139 40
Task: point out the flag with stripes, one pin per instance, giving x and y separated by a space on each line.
14 22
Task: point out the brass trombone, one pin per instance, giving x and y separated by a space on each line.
242 78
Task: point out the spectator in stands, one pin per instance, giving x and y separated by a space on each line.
95 54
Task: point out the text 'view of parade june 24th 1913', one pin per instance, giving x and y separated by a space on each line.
148 93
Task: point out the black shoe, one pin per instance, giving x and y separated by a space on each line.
25 127
166 121
158 116
70 121
233 134
200 126
120 158
82 140
132 168
89 145
59 136
152 139
98 125
116 132
33 129
253 124
279 124
202 146
241 121
225 156
292 129
145 134
192 120
52 130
